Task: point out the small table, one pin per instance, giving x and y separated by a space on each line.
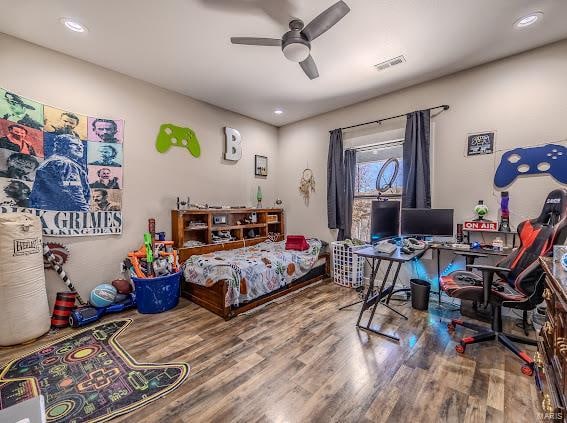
372 299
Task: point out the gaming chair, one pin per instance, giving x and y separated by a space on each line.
520 278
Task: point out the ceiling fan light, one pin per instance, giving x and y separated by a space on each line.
296 52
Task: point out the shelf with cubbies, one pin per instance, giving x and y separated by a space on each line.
200 231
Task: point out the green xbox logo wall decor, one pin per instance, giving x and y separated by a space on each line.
176 136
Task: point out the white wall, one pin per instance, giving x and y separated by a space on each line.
152 181
523 98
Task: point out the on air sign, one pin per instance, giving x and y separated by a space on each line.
480 225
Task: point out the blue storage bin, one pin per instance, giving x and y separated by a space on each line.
156 295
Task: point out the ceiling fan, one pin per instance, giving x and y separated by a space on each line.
296 43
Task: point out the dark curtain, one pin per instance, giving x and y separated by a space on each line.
417 184
335 182
350 175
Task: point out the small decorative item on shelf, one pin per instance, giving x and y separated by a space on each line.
307 184
481 210
182 204
259 197
504 212
278 203
480 223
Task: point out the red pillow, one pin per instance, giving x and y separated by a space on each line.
296 242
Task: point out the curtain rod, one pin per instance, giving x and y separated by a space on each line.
444 107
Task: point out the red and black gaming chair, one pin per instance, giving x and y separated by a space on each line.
520 278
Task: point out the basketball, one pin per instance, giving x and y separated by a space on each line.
103 295
122 286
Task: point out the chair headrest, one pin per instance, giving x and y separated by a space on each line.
555 207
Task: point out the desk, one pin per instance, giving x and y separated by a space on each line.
372 299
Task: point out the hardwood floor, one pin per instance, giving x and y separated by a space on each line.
302 360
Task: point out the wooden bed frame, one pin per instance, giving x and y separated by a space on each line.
213 298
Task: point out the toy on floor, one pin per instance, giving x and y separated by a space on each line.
60 254
64 305
85 315
103 295
54 260
104 299
122 286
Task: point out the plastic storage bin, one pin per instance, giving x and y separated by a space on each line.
348 268
156 295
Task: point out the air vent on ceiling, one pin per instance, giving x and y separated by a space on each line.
389 63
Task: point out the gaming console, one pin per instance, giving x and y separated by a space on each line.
548 159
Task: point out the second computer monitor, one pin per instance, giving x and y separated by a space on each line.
427 222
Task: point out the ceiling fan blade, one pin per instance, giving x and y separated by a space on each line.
309 67
252 41
325 20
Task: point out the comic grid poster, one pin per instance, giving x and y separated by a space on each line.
62 166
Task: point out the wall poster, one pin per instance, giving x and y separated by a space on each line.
62 166
480 144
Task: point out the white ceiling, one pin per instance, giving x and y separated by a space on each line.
183 45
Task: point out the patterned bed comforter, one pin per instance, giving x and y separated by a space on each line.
252 271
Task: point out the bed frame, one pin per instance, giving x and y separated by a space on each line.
213 298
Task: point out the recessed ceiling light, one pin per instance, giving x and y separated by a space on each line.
72 25
278 112
528 20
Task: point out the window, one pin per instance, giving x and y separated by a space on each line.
378 168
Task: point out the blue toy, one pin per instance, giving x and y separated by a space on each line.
85 315
103 295
550 159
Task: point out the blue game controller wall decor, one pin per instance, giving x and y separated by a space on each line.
550 159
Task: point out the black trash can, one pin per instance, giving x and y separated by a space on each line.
420 290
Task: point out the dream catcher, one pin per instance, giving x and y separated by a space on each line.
307 184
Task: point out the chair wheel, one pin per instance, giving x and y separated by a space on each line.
527 370
450 327
460 348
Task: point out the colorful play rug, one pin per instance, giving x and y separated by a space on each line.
88 377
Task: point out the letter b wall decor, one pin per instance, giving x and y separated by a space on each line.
233 144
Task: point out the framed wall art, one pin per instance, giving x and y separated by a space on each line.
260 165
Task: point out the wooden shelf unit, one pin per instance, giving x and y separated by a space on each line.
183 232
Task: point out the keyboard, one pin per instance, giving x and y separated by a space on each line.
385 248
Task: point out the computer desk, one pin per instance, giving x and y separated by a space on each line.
372 299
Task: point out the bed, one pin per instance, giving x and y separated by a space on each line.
229 282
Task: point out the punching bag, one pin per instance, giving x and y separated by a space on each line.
24 311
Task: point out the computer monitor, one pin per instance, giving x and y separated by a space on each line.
427 222
384 220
